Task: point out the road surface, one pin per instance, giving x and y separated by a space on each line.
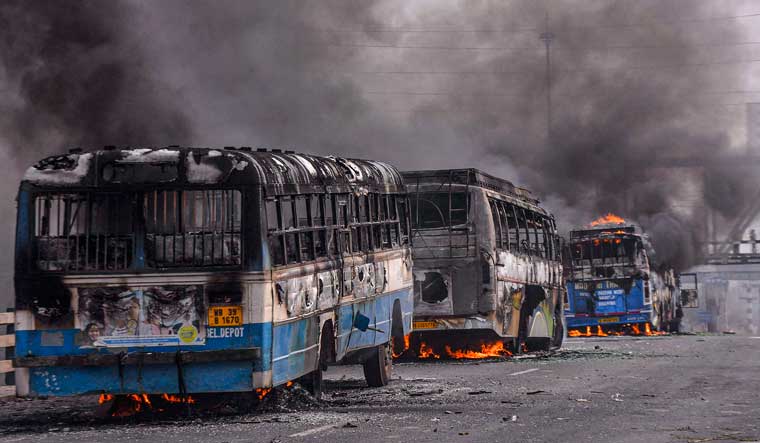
615 389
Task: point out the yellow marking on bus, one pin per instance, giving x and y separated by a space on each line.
425 325
225 316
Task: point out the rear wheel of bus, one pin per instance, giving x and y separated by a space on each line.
379 366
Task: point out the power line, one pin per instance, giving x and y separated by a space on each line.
530 95
390 29
446 48
537 48
434 93
533 72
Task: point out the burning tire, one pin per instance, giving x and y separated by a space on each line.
379 366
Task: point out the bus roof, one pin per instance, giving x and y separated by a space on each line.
472 177
281 172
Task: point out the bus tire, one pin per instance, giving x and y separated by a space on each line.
379 366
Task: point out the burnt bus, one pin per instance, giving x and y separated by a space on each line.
611 285
192 271
487 264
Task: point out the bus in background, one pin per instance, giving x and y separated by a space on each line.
487 266
611 286
184 270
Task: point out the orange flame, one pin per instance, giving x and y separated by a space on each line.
589 332
426 352
134 404
648 330
262 392
610 218
177 399
406 347
636 330
487 350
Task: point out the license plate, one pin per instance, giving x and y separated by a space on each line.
609 320
425 325
225 316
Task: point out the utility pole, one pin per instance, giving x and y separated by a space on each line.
547 36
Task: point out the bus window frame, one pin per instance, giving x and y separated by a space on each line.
355 218
136 197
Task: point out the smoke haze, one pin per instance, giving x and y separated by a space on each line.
421 84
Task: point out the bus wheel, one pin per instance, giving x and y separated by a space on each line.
379 365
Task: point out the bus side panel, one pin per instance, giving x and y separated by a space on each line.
381 307
295 351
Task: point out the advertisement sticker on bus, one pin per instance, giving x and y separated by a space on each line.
152 316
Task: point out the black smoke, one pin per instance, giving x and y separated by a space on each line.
629 83
80 79
629 113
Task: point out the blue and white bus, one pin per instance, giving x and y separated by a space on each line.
611 287
184 270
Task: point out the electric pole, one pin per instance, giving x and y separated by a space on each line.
547 36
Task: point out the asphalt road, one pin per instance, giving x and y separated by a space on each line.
658 389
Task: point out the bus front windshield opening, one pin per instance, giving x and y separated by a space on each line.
432 210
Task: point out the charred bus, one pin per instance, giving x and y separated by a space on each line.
611 285
487 266
183 270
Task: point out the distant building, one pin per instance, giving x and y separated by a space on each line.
729 299
753 128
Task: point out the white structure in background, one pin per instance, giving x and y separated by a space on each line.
729 299
753 128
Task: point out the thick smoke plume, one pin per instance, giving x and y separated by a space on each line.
75 76
628 106
422 84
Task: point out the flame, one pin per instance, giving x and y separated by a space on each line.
133 404
262 392
483 350
406 347
426 351
648 330
487 350
177 399
626 329
610 218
